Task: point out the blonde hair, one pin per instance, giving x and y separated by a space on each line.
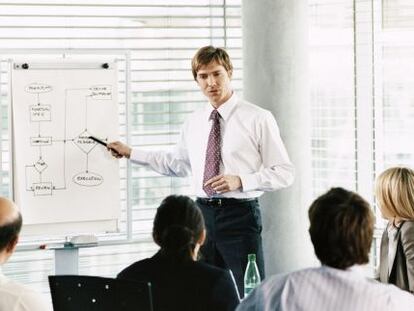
395 193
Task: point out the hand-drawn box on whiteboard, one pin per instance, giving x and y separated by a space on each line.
101 92
42 188
40 113
41 140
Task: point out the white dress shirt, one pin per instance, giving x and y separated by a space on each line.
326 289
251 148
17 297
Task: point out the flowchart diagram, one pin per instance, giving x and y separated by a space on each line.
41 113
62 179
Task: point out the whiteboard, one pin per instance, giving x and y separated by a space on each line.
64 182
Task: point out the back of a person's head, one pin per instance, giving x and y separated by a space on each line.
178 226
10 223
341 228
395 193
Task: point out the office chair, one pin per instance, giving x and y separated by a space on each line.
92 293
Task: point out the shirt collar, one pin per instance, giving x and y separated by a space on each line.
357 270
225 109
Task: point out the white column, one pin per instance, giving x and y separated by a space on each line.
275 56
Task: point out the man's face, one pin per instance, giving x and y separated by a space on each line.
214 82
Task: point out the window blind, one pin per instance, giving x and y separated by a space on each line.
333 106
398 94
159 38
362 96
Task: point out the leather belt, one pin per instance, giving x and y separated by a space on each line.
222 202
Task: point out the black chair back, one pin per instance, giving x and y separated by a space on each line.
92 293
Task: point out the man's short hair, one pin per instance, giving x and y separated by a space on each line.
10 231
209 54
341 228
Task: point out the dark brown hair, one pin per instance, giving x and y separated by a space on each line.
209 54
10 231
341 228
178 225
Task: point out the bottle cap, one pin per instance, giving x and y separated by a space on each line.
251 257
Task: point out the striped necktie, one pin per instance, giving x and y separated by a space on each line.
213 153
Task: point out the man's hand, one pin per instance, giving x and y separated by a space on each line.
119 150
224 183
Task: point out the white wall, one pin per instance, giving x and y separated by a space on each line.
275 77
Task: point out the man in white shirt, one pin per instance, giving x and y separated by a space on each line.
234 153
341 230
14 296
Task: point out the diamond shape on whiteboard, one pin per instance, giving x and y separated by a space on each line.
40 165
84 142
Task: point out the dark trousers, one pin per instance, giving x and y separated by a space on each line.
233 231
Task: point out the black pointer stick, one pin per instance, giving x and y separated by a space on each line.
98 141
102 143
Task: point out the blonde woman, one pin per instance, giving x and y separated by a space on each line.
395 196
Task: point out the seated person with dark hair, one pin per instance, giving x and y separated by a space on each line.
178 281
341 230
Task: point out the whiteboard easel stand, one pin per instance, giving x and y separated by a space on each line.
8 53
67 257
67 260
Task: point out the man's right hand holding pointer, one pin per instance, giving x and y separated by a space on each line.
119 150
